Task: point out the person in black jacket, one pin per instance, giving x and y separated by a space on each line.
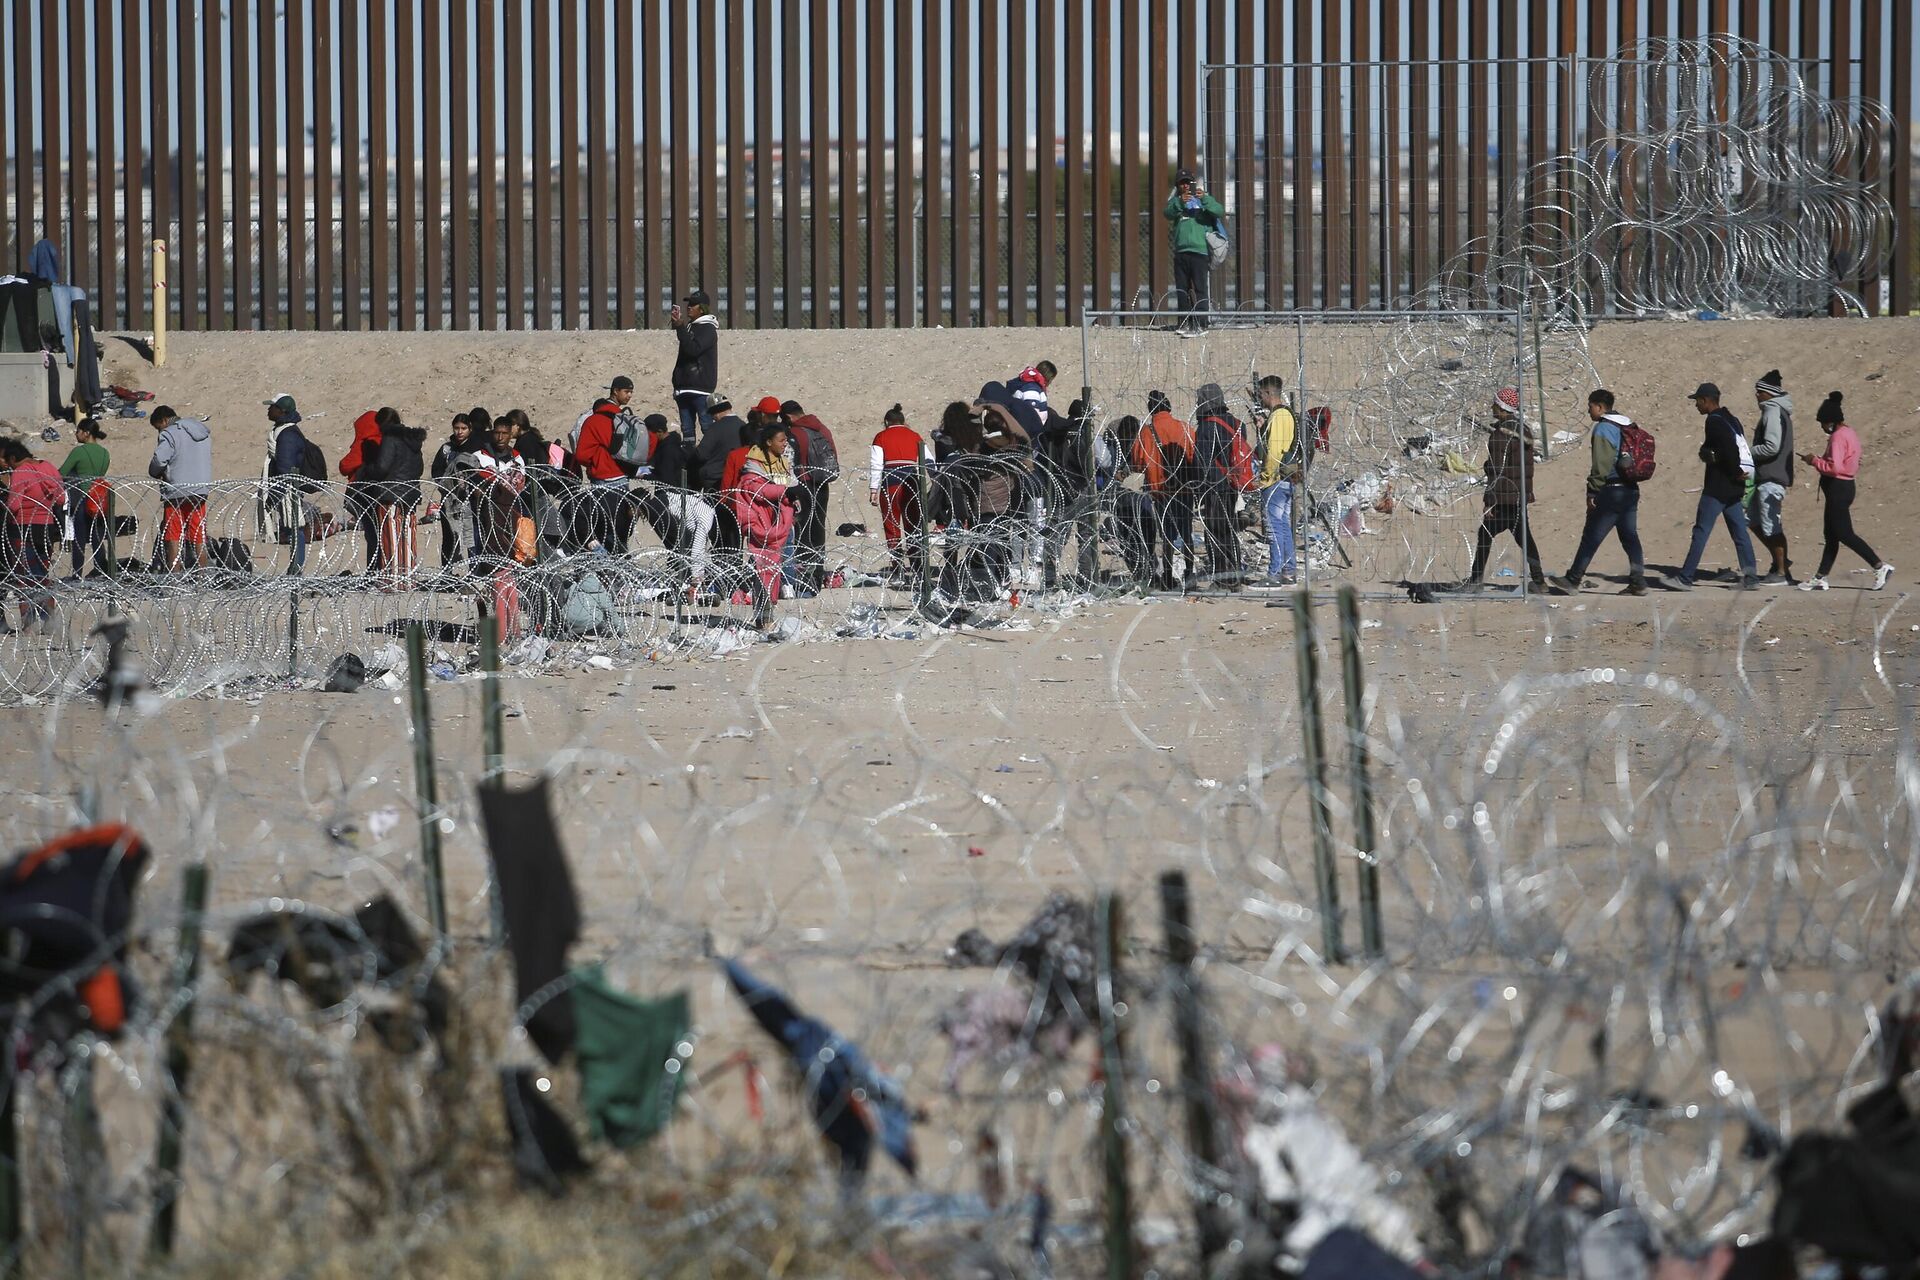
397 469
456 516
1724 490
1214 428
697 369
286 486
673 506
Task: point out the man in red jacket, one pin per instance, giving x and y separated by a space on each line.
897 455
607 476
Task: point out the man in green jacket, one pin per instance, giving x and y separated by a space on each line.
84 472
1193 214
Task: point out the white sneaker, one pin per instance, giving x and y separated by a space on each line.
1881 575
1814 584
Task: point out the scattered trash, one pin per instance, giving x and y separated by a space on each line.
975 851
600 662
345 674
443 671
1003 768
735 731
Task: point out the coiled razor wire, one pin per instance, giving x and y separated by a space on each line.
1639 918
1717 178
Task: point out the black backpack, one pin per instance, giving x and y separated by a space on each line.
313 463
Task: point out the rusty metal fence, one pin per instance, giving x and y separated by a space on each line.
410 164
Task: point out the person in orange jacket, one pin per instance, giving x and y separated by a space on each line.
366 443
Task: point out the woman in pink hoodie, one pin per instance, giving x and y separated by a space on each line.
763 506
36 508
1838 467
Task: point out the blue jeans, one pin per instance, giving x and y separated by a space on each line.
695 416
1617 506
1711 509
1279 511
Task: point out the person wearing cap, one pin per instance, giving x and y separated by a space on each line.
84 471
1723 491
1508 492
609 511
1193 213
1613 501
726 433
283 485
697 369
1772 474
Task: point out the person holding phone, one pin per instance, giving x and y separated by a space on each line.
1194 213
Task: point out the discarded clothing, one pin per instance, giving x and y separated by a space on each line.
545 1153
998 1025
852 1102
1054 952
1346 1254
1857 1198
66 910
537 900
630 1057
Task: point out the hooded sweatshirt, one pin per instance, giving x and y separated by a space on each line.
1190 226
698 366
1773 443
594 452
1724 450
399 464
1605 467
34 492
1214 428
183 460
366 438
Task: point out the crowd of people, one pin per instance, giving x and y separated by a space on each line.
980 508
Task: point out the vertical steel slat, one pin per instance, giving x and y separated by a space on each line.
792 174
764 271
1360 170
184 281
1303 275
1872 23
52 212
1131 195
1900 186
626 198
1046 206
141 223
710 103
22 121
903 180
460 163
1392 151
542 234
1158 126
1333 164
433 253
847 181
271 91
738 268
1100 222
513 229
406 164
352 276
657 277
379 180
1420 142
1245 205
600 274
487 153
960 172
1074 59
680 190
214 200
991 206
1275 268
82 264
1447 239
930 166
106 176
819 154
875 122
568 74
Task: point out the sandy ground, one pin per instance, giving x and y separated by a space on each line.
821 804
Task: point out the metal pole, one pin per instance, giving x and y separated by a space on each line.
1526 450
113 537
1203 1138
423 782
493 734
1305 496
1313 752
922 539
1539 374
293 633
186 970
1359 766
159 303
1119 1224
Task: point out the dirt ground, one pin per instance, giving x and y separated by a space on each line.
841 810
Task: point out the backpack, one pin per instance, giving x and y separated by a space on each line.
630 444
1217 243
819 460
313 463
66 910
1233 457
1635 462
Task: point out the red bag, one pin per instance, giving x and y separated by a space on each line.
1635 462
98 494
1237 466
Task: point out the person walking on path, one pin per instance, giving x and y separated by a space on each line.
1281 470
1509 489
1193 213
1723 490
1839 468
696 371
183 464
85 471
1613 502
1772 474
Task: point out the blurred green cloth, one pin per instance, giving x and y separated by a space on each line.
625 1045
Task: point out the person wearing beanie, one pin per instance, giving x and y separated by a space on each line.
1723 491
1772 474
1839 468
282 482
1508 492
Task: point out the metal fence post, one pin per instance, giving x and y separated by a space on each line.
493 734
1313 754
186 971
1196 1066
1359 766
425 791
1119 1217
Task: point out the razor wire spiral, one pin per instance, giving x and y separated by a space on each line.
1625 941
1717 177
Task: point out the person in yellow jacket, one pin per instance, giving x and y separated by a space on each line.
1281 470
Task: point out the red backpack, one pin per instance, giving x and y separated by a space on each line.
1235 460
1635 462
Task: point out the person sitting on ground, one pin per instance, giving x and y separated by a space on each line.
1029 387
285 483
85 471
1508 491
1724 489
725 433
36 510
1772 475
896 463
183 464
678 513
1613 502
1839 468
